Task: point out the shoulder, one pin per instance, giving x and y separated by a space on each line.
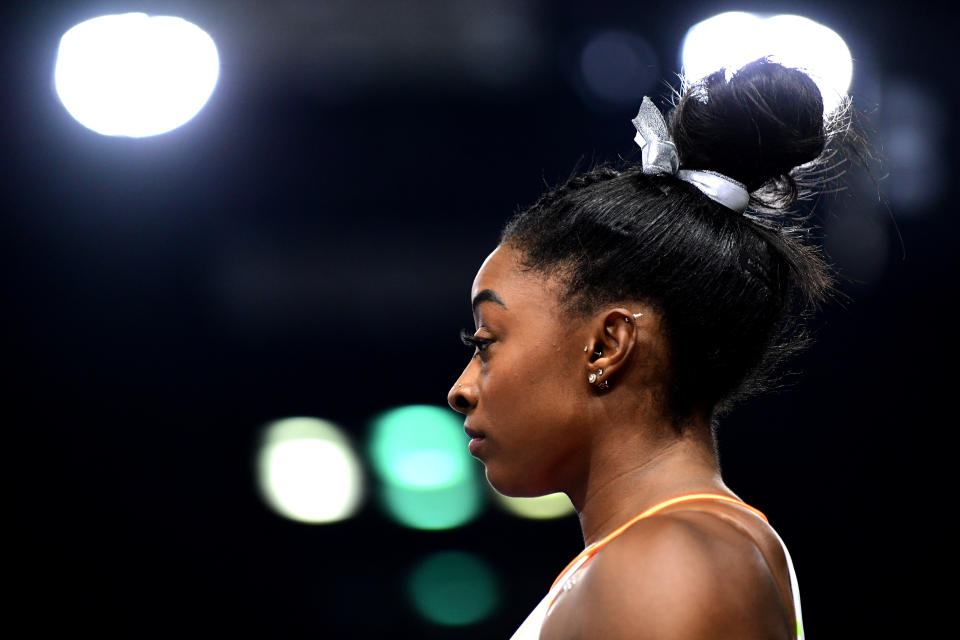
683 574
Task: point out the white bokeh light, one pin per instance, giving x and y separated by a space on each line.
732 39
135 75
553 505
308 471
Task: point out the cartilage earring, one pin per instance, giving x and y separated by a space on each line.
592 378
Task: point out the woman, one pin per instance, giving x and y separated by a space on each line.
617 318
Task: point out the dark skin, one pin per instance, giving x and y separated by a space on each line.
694 570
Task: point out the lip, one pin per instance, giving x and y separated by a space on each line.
476 440
472 433
475 446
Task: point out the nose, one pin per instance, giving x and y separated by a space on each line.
462 396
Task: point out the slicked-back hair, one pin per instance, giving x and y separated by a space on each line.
733 289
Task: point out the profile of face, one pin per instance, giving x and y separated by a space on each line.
523 388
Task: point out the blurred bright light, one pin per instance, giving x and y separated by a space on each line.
429 480
135 75
554 505
433 509
307 471
453 588
730 40
420 446
618 67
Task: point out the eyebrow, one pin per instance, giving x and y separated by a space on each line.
487 295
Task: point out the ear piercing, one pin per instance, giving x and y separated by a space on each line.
594 378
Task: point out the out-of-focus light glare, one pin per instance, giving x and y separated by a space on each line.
554 505
730 40
307 471
912 126
433 508
618 67
453 588
135 75
420 446
429 480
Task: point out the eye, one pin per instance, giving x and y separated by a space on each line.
480 344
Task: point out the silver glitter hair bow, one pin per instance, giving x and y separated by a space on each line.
660 157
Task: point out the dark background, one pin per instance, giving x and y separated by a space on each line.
305 246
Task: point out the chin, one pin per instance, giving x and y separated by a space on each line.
516 486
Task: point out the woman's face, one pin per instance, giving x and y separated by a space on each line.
524 387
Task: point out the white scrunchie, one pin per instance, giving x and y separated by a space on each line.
659 156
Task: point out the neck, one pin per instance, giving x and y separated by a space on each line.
630 471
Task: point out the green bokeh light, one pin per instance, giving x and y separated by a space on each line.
428 478
443 508
420 446
453 588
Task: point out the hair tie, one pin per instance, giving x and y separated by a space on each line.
660 157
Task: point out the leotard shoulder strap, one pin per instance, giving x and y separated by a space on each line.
592 549
584 556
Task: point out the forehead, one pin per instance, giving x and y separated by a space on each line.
519 288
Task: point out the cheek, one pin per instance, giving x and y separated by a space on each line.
533 394
531 405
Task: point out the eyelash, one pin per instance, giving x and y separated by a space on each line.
480 344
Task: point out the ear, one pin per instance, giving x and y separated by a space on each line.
614 335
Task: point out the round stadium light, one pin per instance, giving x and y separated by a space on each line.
730 40
135 75
308 471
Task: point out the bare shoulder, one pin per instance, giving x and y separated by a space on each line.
682 574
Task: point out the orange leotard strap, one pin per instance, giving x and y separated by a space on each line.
596 546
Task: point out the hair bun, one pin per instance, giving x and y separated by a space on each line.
755 127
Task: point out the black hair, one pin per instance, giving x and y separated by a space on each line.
733 289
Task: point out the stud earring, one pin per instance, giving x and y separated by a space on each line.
592 378
602 385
